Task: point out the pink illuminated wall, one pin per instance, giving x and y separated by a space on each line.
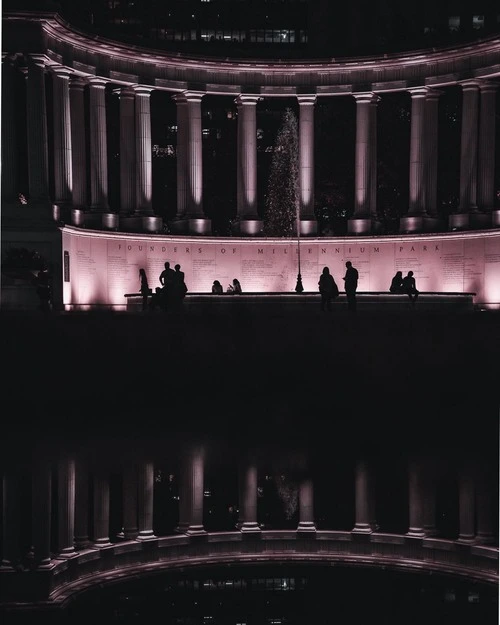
102 267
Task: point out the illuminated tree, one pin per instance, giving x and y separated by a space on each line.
283 186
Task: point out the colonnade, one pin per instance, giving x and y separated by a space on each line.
71 175
81 515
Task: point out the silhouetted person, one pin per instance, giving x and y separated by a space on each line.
351 285
236 286
43 289
156 300
167 278
327 288
397 283
179 288
410 287
144 288
217 288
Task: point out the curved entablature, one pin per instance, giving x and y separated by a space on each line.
87 55
134 559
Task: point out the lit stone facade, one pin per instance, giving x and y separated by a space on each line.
76 62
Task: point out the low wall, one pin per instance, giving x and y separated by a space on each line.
100 267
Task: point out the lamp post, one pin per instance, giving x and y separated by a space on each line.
298 287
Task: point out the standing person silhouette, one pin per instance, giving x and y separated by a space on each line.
179 288
327 288
410 287
350 285
167 278
144 288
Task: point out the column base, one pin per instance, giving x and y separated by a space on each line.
82 543
480 221
200 226
248 227
495 219
466 539
359 225
178 226
148 535
46 565
411 224
306 526
191 530
101 543
458 221
110 221
362 528
308 227
249 528
78 217
152 223
430 532
415 532
433 224
67 554
484 539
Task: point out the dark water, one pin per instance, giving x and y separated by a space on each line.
292 595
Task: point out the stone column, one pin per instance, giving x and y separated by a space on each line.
194 165
373 158
363 520
98 146
130 505
36 112
468 147
78 143
486 155
42 511
415 496
101 509
363 169
306 505
247 478
182 122
63 175
66 507
308 221
10 517
466 505
191 493
145 484
417 180
9 133
429 497
143 153
431 131
127 151
246 166
81 504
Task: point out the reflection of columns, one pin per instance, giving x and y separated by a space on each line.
191 493
363 517
431 150
145 484
363 157
466 507
63 183
10 517
66 507
247 157
36 112
484 504
81 504
486 155
78 143
98 145
373 157
41 512
101 509
127 151
182 122
417 178
415 499
9 133
468 147
129 495
306 155
247 475
429 497
143 155
306 505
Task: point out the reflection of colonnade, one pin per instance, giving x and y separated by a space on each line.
72 494
74 170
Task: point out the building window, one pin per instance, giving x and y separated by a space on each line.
454 23
478 22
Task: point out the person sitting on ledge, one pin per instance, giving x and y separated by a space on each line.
236 286
410 288
397 283
217 288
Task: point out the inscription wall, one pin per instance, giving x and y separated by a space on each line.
103 267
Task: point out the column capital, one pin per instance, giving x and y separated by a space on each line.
243 99
141 89
306 99
188 96
61 70
418 92
470 85
434 94
367 97
98 82
77 83
40 60
124 92
487 86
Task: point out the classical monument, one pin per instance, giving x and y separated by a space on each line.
83 510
